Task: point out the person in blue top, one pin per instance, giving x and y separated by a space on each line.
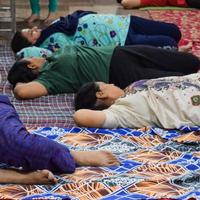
96 30
32 152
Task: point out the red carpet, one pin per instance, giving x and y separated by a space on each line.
187 21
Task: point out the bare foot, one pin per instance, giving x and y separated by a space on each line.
186 48
32 18
95 158
21 177
50 18
40 177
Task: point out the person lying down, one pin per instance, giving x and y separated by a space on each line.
32 152
168 103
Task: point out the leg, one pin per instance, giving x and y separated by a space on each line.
133 63
143 26
128 4
162 41
94 158
53 4
20 177
35 7
185 63
193 3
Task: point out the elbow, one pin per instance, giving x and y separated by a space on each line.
20 93
127 4
78 119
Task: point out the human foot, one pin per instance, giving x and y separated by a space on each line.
50 18
186 48
95 158
40 177
32 18
21 177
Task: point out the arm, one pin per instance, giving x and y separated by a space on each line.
29 90
89 118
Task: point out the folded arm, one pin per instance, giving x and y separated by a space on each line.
29 90
89 118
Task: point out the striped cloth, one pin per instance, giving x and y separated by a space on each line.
45 111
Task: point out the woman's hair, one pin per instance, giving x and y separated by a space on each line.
21 73
86 97
19 42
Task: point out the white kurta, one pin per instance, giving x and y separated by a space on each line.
165 102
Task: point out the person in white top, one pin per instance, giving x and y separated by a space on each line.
169 103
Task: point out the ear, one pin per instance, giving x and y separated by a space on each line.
101 95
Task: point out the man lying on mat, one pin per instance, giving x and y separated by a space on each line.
128 4
90 29
67 71
169 102
19 148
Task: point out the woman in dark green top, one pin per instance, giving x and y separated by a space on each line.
67 71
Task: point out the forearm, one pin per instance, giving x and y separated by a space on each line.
29 90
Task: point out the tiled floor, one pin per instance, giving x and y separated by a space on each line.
67 6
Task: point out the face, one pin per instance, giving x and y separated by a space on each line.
110 92
31 34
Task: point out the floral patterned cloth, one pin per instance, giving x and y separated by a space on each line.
168 102
93 30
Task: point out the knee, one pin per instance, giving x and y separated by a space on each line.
128 4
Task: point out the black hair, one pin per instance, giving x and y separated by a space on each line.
19 42
21 73
119 1
86 97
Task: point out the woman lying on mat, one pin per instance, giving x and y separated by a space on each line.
169 103
67 71
19 148
91 29
128 4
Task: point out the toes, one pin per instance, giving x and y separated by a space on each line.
45 172
49 175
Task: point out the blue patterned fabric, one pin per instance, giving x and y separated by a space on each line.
155 164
